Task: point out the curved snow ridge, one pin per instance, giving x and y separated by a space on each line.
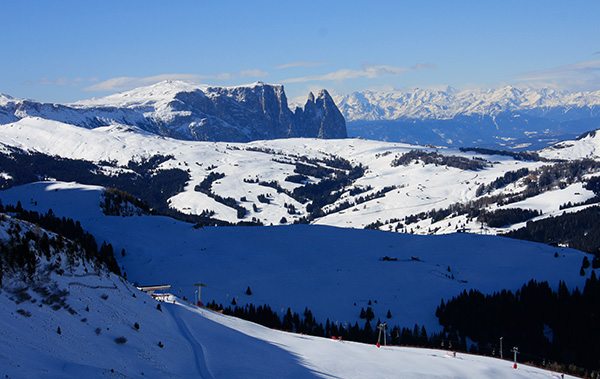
161 92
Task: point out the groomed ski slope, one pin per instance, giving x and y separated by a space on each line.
327 358
198 343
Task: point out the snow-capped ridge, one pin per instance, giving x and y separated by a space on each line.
424 104
163 91
5 99
506 118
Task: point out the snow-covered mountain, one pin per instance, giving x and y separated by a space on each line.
442 105
511 117
194 112
338 185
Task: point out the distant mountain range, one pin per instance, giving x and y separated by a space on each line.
509 118
189 111
506 118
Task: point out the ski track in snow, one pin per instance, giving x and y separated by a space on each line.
196 346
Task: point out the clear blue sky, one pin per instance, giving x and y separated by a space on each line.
61 51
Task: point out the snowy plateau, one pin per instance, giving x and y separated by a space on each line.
311 199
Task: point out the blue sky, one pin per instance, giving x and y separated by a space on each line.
61 51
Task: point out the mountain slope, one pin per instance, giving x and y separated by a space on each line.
71 318
195 112
345 266
347 183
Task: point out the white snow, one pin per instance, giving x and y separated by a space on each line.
586 147
419 188
183 341
160 93
344 265
446 104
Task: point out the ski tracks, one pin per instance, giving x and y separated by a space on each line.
197 350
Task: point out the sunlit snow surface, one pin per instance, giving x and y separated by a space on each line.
419 187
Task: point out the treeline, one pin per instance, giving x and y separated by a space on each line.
501 182
560 174
503 217
64 227
119 203
520 156
368 333
359 200
578 230
439 159
146 181
206 188
545 325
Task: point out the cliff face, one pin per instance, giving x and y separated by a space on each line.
320 118
185 111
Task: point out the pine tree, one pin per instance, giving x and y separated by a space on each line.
586 262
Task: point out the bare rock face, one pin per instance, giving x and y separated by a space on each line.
187 111
320 118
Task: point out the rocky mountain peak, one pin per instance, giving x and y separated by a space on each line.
320 118
186 110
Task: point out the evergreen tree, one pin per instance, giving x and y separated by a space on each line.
363 314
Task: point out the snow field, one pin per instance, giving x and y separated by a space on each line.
333 271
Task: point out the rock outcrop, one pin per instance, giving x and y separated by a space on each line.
320 118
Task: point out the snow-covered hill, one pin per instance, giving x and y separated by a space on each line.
332 271
508 117
344 268
256 175
70 318
195 112
585 146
